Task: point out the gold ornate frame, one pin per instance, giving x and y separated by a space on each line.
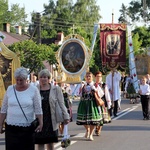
81 61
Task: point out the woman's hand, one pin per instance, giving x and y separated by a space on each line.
39 128
66 121
2 129
140 92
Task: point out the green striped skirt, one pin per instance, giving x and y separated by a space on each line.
88 113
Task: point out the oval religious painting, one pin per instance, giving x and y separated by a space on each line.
73 56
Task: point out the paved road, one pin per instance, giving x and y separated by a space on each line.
126 132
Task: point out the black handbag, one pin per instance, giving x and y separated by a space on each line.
35 123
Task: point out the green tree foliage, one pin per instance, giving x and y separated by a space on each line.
61 15
15 16
63 10
137 11
86 13
64 16
136 43
32 55
97 64
124 12
18 15
3 12
57 16
144 36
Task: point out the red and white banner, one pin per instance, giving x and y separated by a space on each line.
113 45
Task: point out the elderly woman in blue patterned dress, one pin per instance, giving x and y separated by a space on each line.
88 114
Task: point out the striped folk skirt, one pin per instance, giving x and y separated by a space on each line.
89 113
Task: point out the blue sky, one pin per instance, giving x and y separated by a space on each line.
106 6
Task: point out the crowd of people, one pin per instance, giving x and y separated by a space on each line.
26 100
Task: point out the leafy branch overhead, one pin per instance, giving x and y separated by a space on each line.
138 11
32 55
70 17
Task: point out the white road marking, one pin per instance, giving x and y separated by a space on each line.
122 113
80 135
58 144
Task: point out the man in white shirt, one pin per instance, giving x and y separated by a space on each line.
113 82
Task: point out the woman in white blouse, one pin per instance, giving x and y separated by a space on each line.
145 98
18 135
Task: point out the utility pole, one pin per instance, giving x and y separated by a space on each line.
38 18
144 11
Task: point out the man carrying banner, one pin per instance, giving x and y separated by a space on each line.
113 83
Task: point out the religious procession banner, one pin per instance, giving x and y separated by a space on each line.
9 61
73 58
113 45
132 66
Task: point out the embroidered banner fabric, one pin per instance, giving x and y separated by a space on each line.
113 45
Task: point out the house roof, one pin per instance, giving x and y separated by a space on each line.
11 38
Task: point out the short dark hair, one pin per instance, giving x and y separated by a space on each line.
98 72
34 74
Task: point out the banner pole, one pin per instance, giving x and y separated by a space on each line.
92 46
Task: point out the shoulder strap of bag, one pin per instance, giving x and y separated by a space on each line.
19 103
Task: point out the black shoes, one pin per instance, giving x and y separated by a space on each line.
146 118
